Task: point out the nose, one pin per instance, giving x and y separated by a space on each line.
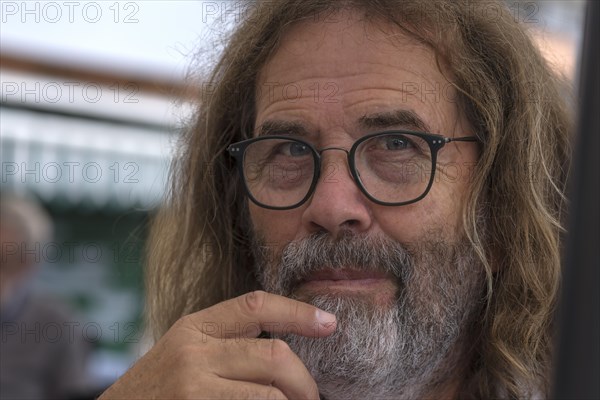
337 203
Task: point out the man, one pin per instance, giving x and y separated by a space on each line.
390 175
39 360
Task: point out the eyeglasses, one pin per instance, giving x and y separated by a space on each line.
391 168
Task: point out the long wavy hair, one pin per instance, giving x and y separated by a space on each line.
199 248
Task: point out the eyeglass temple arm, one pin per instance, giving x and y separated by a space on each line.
462 139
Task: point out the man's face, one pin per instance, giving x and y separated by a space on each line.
399 271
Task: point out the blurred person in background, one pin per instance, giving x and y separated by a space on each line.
43 354
399 209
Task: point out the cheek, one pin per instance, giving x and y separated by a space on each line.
406 224
438 213
277 228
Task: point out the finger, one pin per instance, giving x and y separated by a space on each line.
251 313
229 389
267 362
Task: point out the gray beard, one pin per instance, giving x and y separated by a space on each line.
406 349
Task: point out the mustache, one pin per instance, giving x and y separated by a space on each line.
320 251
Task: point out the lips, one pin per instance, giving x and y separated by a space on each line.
347 279
345 275
380 286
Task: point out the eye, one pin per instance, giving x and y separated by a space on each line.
397 143
296 149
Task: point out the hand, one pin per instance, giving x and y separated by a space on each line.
215 353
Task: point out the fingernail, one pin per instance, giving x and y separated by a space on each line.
325 318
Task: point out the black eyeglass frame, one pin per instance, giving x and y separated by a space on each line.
435 142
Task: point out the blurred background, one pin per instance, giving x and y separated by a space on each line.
93 95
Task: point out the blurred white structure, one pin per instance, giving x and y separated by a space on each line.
87 144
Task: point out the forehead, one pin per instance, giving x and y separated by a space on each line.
344 36
336 70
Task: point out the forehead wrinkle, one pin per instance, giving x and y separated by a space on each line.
278 72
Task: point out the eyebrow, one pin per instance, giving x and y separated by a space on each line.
281 127
382 120
388 119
